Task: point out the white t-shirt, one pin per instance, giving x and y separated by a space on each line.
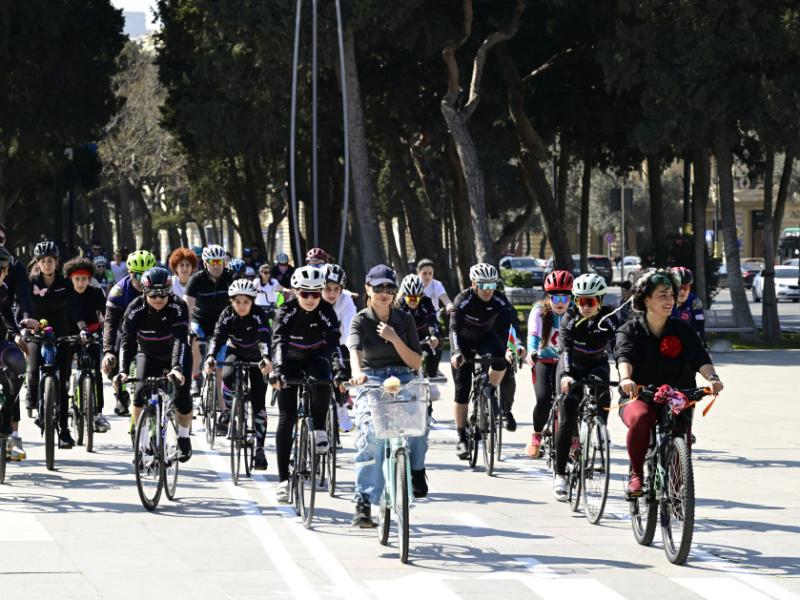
177 288
267 293
119 270
345 310
433 291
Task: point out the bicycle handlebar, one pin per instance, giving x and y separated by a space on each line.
696 394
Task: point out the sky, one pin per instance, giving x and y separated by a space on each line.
145 6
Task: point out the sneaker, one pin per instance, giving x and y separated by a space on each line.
283 492
222 421
185 447
65 441
101 424
345 422
321 439
560 488
260 460
16 452
511 422
534 446
462 449
419 483
123 401
363 515
195 387
634 485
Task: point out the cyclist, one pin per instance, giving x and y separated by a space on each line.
688 307
479 324
86 305
238 267
305 339
119 267
282 271
207 296
245 328
652 348
413 300
334 294
154 332
19 288
102 274
50 291
584 334
13 360
543 323
268 287
316 257
433 287
182 262
121 295
383 342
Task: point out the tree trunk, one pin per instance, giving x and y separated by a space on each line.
723 151
586 190
461 220
391 244
562 181
125 212
770 322
701 165
369 241
780 201
248 212
687 189
423 228
657 229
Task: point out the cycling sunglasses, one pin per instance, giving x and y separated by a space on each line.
560 298
385 289
413 298
305 294
215 262
157 293
487 286
588 301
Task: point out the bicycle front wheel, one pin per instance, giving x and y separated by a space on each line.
308 472
489 431
332 427
170 452
208 396
574 468
237 441
595 471
473 440
50 399
147 459
498 436
401 502
644 508
677 503
88 406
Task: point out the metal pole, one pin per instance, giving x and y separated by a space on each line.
293 134
314 166
622 236
346 132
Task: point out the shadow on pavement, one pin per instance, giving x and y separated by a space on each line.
746 560
461 498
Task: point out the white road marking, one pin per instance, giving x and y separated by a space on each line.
719 588
745 574
22 527
419 585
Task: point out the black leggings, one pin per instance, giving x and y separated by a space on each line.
508 388
258 393
151 366
318 368
434 357
11 358
545 389
63 365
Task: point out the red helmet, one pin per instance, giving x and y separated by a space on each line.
684 274
558 281
317 253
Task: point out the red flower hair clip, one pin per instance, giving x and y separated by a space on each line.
670 346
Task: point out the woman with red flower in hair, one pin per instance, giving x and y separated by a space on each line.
655 349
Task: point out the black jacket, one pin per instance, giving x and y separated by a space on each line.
583 342
300 335
473 319
51 302
424 318
248 337
162 334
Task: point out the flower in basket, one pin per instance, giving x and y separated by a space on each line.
391 385
676 400
670 346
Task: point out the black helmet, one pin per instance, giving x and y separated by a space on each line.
43 249
156 280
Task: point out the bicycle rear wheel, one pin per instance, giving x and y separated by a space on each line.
248 438
308 471
473 440
50 395
498 436
295 463
170 452
332 427
88 406
208 396
148 459
384 522
644 509
401 503
595 471
677 503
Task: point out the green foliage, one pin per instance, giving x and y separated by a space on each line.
517 278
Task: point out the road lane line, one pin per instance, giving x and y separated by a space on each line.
419 585
744 573
719 588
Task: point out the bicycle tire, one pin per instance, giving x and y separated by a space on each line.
473 440
401 504
331 458
384 523
235 428
644 509
171 463
248 443
88 405
209 399
677 503
595 471
50 394
76 416
149 472
574 467
487 433
498 437
308 473
3 458
294 470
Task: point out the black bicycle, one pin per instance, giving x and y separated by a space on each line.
209 402
84 390
327 467
486 419
241 429
6 400
668 484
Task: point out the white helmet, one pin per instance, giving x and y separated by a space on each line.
411 285
213 251
244 287
483 273
308 278
589 284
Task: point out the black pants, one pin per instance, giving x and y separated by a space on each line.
462 377
318 368
151 366
508 388
63 365
258 393
545 390
432 360
12 358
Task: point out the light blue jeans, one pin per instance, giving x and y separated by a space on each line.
369 457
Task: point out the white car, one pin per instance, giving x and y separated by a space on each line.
524 263
633 266
786 284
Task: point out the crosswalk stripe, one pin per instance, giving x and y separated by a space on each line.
419 585
719 588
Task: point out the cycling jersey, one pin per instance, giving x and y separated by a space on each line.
691 313
247 337
545 348
8 324
211 297
424 317
301 334
85 307
472 319
51 302
119 298
285 278
161 334
583 341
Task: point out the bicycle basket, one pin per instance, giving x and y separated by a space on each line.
404 414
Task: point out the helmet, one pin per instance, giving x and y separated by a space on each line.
282 259
334 274
558 281
483 273
244 287
100 261
308 278
43 249
317 254
589 284
683 274
5 258
140 261
411 285
237 265
250 272
156 279
214 251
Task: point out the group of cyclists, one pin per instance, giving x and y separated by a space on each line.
206 308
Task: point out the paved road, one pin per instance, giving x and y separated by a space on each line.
80 532
788 312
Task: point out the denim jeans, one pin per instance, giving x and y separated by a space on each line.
370 450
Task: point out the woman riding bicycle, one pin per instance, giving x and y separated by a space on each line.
13 360
655 349
543 324
383 343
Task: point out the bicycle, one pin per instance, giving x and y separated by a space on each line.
155 447
486 417
327 467
304 462
84 395
241 429
209 402
5 440
668 482
398 413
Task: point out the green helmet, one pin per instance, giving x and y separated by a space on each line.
140 261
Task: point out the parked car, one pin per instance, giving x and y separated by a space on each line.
597 264
633 266
792 262
576 266
786 284
750 268
524 263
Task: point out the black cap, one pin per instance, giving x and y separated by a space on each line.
381 274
